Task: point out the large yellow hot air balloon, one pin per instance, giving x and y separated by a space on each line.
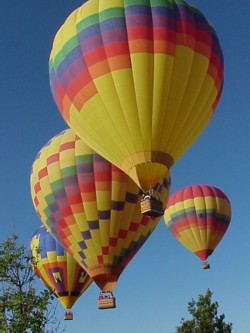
137 80
57 269
91 207
198 217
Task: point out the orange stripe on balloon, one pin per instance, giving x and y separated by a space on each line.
99 68
103 186
66 105
119 62
139 46
83 95
161 47
77 208
89 197
81 80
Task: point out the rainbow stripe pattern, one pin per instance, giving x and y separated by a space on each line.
145 75
198 217
90 206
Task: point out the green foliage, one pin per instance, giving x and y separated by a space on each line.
22 310
205 318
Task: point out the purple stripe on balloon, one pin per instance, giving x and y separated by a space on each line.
103 167
83 246
86 178
59 194
57 216
131 197
137 10
70 180
70 68
115 35
117 205
71 57
105 38
86 235
85 168
72 190
97 29
58 272
98 158
93 225
53 207
91 43
104 214
144 16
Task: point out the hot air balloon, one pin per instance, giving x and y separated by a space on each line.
57 269
198 217
138 81
91 207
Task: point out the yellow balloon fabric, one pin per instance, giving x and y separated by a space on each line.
138 81
90 206
57 269
198 217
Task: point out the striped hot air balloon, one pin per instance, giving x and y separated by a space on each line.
137 80
198 217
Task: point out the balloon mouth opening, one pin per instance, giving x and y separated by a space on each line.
204 254
105 285
147 169
105 276
67 301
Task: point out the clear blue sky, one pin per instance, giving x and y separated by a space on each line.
153 291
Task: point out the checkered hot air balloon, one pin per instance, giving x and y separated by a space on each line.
91 207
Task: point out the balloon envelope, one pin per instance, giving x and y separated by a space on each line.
198 217
138 81
90 206
57 269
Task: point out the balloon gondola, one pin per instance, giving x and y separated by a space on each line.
106 300
198 216
91 207
138 81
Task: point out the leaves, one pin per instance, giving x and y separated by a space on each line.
22 310
204 317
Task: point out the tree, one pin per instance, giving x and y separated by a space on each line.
22 310
205 317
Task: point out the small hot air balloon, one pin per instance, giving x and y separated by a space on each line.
91 207
138 81
198 217
58 270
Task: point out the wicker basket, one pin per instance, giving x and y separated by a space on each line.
106 303
68 315
152 207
